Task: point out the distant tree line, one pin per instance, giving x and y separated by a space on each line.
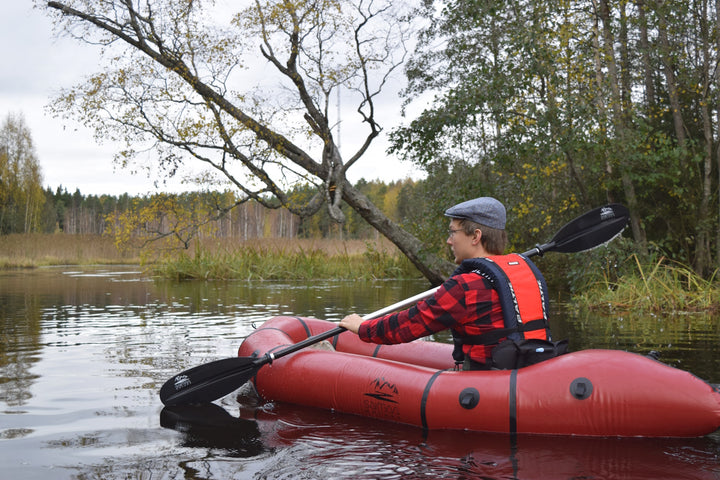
185 216
75 213
28 207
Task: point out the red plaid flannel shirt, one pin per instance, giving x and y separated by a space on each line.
464 303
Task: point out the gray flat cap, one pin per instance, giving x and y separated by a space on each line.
484 210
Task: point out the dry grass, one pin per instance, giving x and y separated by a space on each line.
33 250
663 287
262 262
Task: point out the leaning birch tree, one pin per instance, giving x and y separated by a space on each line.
245 91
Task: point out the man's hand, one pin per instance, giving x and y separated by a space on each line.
351 322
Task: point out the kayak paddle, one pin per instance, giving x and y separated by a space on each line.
210 381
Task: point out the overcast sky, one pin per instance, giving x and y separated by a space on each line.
36 65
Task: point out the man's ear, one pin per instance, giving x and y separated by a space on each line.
477 235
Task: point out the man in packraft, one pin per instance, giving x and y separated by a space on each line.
489 298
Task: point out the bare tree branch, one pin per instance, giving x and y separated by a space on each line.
179 85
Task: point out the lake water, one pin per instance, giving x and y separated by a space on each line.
84 351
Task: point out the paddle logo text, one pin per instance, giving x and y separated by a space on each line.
381 401
182 381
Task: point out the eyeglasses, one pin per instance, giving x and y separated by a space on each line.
451 231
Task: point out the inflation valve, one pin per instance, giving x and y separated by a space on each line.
469 398
581 388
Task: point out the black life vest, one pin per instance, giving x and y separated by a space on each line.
523 295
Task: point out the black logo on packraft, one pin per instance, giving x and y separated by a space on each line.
383 390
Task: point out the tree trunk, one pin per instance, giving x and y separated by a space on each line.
619 123
430 265
703 258
717 121
669 70
648 69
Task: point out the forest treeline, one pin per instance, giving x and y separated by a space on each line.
28 207
75 213
556 107
552 107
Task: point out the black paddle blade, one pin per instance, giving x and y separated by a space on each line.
208 382
587 231
591 229
211 426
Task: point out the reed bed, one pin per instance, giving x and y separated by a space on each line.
278 263
663 287
217 258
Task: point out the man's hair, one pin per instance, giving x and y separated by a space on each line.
493 240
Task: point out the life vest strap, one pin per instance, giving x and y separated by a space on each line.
494 336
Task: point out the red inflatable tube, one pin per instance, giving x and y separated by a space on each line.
591 392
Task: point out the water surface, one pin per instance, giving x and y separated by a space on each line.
83 353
